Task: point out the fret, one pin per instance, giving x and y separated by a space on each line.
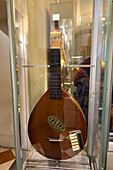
55 97
55 83
53 74
55 90
55 87
55 70
55 93
55 80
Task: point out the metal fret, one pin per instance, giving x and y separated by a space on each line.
55 87
53 80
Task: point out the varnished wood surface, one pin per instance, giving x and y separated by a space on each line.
66 109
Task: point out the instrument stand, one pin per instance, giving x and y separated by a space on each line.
36 161
54 163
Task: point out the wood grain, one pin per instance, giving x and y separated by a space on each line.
66 109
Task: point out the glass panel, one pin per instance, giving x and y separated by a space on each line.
12 52
105 114
53 54
34 30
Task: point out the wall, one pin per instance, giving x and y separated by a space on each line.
6 113
38 45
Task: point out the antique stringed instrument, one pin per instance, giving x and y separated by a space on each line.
57 127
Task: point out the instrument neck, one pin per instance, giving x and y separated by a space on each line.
55 74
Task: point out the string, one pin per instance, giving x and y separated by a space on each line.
55 80
50 90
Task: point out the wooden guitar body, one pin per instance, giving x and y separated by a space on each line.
50 123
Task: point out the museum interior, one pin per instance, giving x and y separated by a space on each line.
56 84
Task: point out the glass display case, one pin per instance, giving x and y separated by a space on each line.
106 132
58 56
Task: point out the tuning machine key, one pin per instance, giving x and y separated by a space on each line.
76 140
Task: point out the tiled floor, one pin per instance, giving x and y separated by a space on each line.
6 165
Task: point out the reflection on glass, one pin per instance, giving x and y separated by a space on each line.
32 30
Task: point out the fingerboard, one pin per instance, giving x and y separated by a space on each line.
55 74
